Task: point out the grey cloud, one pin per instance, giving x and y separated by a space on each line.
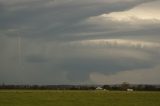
61 64
36 59
47 29
56 20
105 27
80 66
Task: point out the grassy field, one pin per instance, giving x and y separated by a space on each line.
77 98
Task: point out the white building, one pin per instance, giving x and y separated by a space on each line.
99 88
130 90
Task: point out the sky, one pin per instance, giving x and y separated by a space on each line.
79 41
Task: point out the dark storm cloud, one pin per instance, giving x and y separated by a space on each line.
55 19
83 67
40 40
83 62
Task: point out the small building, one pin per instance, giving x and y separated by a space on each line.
130 90
99 88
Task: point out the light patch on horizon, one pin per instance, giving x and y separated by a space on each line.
117 42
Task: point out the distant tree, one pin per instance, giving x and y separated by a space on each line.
125 85
140 87
106 87
150 88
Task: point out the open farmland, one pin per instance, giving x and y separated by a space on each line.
77 98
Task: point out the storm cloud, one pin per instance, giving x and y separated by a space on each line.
79 42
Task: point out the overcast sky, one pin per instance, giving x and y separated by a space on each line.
79 41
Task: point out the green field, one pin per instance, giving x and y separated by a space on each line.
77 98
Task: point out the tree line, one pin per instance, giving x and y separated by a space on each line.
119 87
